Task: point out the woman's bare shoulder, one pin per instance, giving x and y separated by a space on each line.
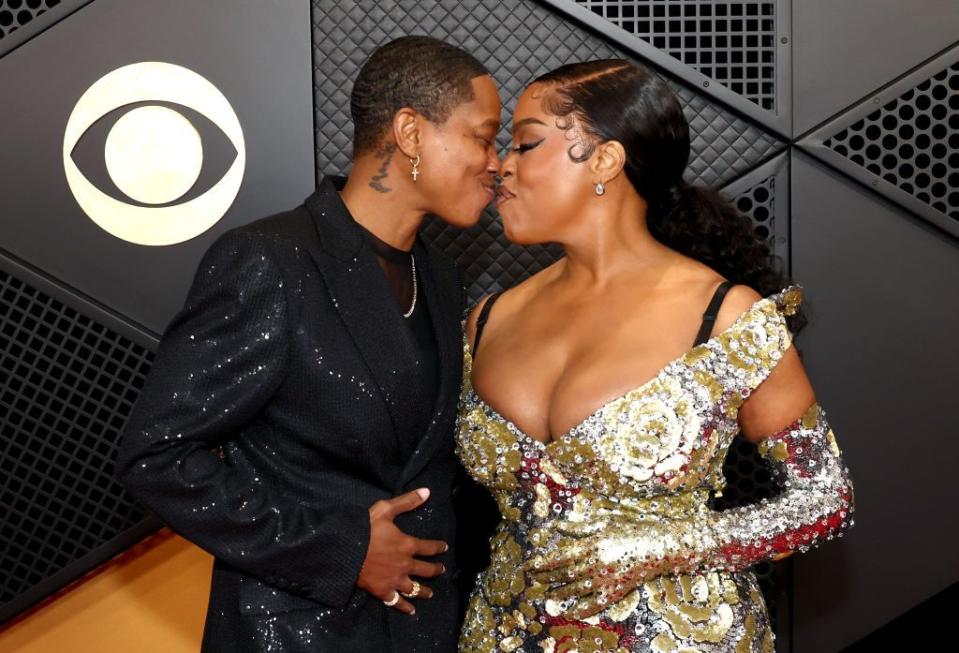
514 297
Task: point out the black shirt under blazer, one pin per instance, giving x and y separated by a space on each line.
269 424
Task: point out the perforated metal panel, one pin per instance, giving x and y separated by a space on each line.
762 194
912 141
21 20
67 385
734 43
903 141
14 14
758 204
736 52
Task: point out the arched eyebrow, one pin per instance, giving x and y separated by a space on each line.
528 121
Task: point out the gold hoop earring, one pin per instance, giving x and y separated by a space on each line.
416 167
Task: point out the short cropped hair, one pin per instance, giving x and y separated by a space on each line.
419 72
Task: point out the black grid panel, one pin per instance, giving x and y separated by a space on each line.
14 14
912 141
733 43
67 386
517 40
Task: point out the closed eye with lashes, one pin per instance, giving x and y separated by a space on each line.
526 147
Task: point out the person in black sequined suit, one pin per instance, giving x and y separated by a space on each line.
297 422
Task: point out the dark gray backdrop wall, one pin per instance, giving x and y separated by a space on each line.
80 309
831 125
874 181
881 352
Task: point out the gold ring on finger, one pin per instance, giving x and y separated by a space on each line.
413 592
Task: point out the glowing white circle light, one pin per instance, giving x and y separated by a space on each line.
154 154
164 225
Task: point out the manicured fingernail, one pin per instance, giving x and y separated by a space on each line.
424 493
447 548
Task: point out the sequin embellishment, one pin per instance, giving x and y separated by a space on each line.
607 542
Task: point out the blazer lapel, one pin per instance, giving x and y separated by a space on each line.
361 296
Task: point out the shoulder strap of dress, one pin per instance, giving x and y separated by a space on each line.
483 316
709 317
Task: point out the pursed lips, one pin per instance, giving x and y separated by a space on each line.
503 194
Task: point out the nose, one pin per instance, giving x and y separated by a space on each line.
492 161
507 167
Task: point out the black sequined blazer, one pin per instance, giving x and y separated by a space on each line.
268 426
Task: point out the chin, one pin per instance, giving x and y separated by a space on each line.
511 234
466 212
462 221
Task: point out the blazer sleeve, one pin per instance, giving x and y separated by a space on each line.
219 363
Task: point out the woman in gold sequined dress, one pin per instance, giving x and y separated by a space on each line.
601 404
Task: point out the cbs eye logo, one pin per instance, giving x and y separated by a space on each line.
154 154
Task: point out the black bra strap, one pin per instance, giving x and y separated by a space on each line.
709 317
483 316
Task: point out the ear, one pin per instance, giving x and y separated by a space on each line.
607 161
406 131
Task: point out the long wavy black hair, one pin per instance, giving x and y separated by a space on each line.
618 100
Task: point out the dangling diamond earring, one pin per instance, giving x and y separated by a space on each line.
416 169
600 188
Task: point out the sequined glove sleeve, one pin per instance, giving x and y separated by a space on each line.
218 364
816 503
